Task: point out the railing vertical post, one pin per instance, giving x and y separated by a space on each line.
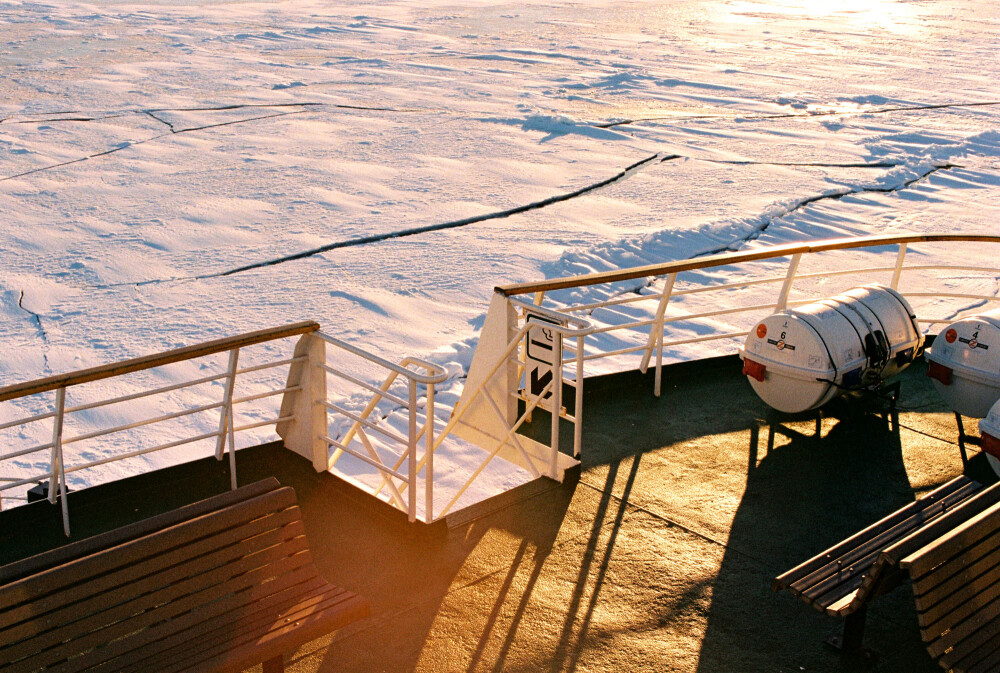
539 298
793 265
578 410
227 403
557 369
412 448
57 469
898 271
522 358
668 288
656 332
232 452
429 457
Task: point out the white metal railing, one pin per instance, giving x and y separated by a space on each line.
61 461
386 416
663 291
413 376
404 457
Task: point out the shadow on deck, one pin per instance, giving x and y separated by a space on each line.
656 556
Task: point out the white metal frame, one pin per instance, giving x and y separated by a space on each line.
656 327
393 480
225 435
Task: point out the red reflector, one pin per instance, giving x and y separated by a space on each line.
939 372
990 444
754 369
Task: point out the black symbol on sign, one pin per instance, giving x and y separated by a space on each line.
973 343
537 383
780 344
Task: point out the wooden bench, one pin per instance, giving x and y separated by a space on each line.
842 580
219 585
956 583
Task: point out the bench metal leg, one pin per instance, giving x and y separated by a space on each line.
851 643
962 439
276 665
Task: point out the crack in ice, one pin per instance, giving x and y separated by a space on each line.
832 196
41 330
800 115
755 233
403 233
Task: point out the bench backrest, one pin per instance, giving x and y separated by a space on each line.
142 584
956 582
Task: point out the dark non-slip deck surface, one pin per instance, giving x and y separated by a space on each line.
657 557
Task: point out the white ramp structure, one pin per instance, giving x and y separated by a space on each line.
402 444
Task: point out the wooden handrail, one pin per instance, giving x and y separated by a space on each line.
735 258
149 361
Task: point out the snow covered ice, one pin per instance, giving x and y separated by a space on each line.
172 172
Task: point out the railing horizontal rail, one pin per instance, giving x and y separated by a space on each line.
147 421
725 259
25 421
360 456
269 393
145 393
949 267
953 295
725 311
438 374
365 422
260 424
140 452
24 482
24 452
382 394
158 360
270 365
627 325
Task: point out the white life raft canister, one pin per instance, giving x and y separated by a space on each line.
989 432
964 362
801 358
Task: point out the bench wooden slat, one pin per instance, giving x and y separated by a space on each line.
967 534
785 580
955 569
118 587
845 562
227 588
290 571
966 628
956 587
986 636
869 573
163 651
175 610
953 518
255 619
188 579
958 606
929 598
985 659
55 579
337 609
276 642
56 557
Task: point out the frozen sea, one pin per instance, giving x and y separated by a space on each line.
172 172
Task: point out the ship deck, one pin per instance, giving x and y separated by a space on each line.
657 555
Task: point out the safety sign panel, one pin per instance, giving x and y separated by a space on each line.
544 348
